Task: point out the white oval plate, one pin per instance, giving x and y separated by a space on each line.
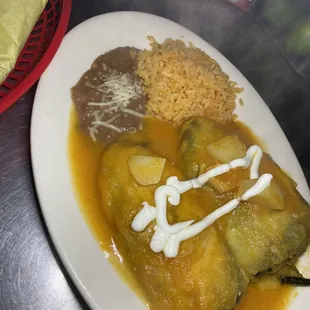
85 262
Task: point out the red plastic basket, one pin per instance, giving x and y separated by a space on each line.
37 53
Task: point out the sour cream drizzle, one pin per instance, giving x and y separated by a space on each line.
167 238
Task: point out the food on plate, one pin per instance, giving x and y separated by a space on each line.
226 149
109 97
190 209
262 239
188 280
146 170
182 81
272 197
257 226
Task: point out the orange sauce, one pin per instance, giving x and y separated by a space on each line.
255 299
84 158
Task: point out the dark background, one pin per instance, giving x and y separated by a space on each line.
31 276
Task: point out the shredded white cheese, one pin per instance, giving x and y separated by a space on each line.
118 91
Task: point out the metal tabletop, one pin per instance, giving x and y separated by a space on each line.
31 275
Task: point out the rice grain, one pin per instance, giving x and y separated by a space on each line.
182 82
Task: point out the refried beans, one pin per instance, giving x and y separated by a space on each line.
109 97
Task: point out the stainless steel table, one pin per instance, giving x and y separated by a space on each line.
31 275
